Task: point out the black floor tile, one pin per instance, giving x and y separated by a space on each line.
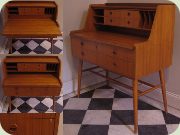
88 94
122 117
145 106
24 108
93 130
105 87
58 108
65 102
119 94
171 119
41 108
73 116
100 104
152 130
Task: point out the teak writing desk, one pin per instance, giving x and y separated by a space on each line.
30 124
32 76
31 19
133 40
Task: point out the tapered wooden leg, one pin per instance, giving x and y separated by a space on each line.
51 40
10 104
135 104
79 76
163 88
53 103
107 75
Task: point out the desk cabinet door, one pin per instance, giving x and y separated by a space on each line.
29 124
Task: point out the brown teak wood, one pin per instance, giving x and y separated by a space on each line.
31 19
32 76
133 40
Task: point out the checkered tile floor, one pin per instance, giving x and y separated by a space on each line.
36 46
106 111
35 105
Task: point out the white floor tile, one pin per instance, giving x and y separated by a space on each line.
123 104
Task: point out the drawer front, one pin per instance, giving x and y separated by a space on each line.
116 52
28 91
126 18
31 67
76 47
84 49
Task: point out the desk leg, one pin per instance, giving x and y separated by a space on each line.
135 104
163 88
79 76
51 40
107 75
53 103
10 104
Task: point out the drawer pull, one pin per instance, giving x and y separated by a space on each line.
129 14
82 43
114 52
128 22
111 20
13 128
82 53
114 64
110 13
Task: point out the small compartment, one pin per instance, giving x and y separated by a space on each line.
99 19
13 10
11 67
99 12
52 67
50 11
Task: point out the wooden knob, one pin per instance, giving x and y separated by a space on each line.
114 52
82 53
82 43
129 14
13 128
110 20
128 22
110 13
114 64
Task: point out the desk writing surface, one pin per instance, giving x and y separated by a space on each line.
32 28
116 39
35 80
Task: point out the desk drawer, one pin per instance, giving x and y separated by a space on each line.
120 17
31 91
117 52
115 65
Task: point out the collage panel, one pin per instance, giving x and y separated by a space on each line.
30 63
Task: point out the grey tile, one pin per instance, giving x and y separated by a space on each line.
71 129
150 117
103 93
121 130
97 117
77 104
172 128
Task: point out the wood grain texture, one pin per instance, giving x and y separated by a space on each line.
32 76
31 19
30 124
133 40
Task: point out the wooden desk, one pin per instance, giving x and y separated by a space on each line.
30 124
31 20
32 76
132 40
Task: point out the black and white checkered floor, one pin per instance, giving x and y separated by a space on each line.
35 105
106 111
36 46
